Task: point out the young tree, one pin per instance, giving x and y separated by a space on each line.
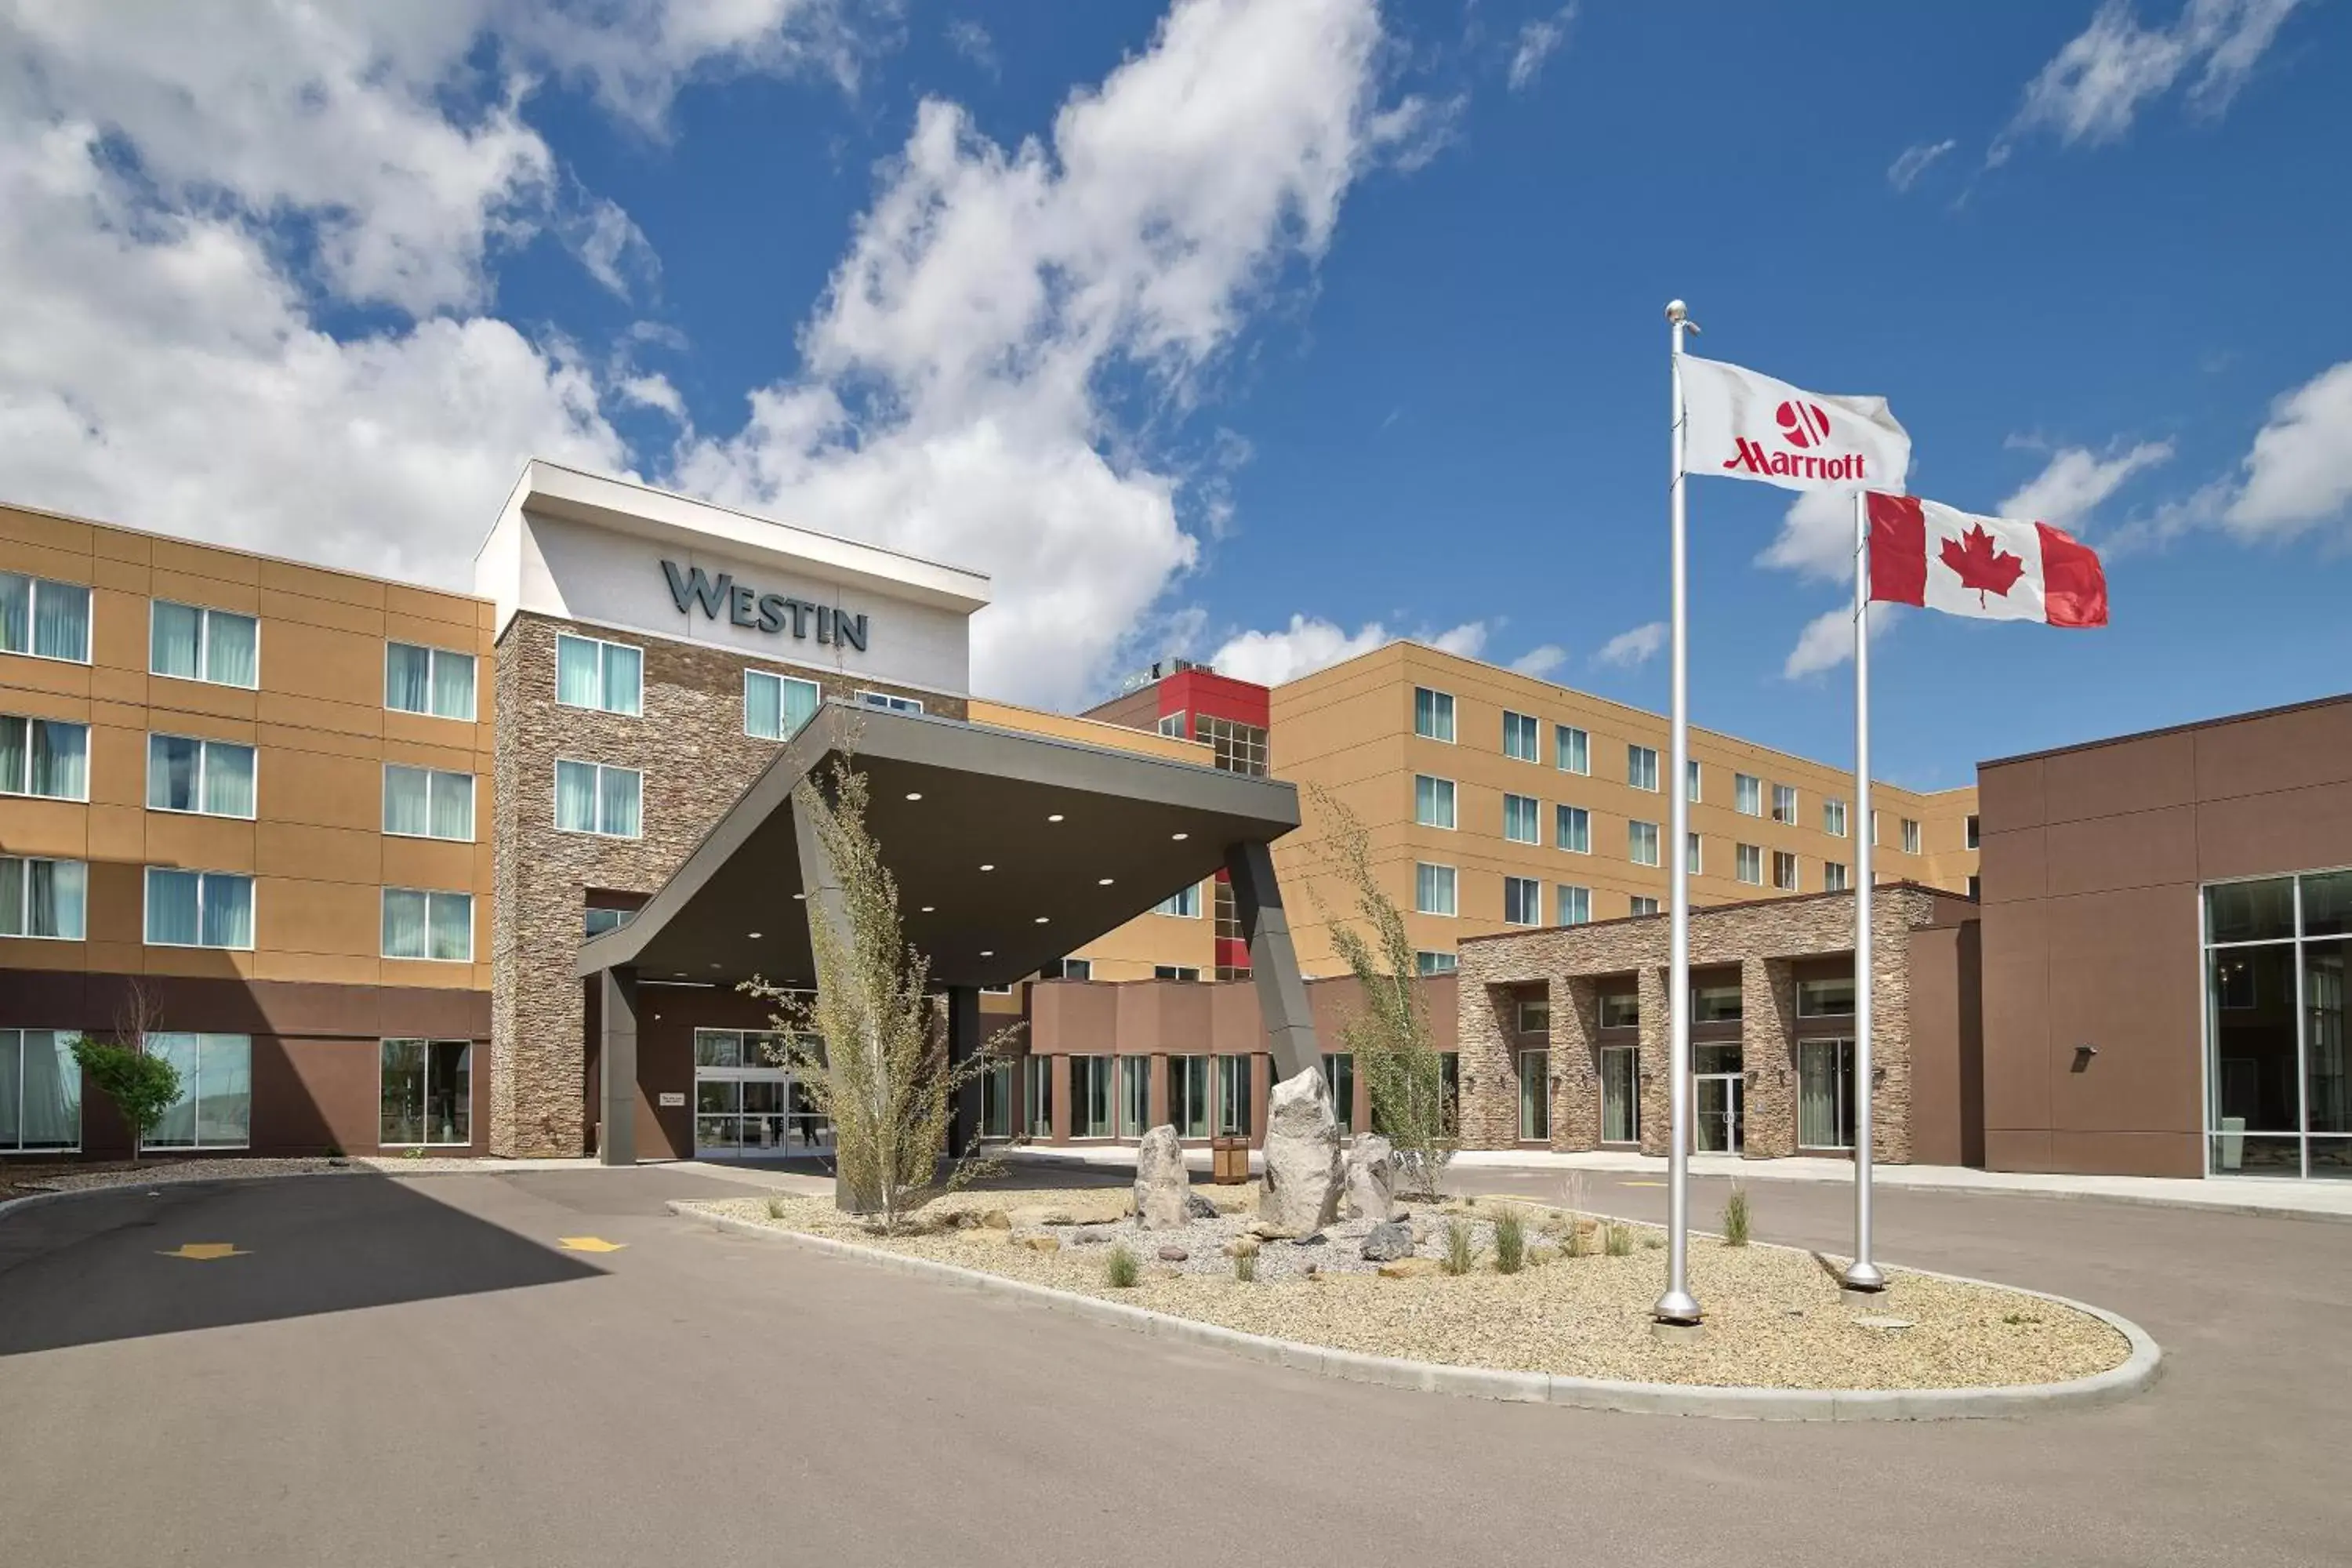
1403 1072
141 1085
870 1046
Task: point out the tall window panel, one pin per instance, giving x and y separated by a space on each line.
40 1090
1641 766
1825 1094
1521 818
423 924
2278 1075
1339 1076
426 802
590 797
44 757
191 642
1784 871
44 619
1748 794
1571 829
1433 801
1748 864
199 909
215 1109
41 898
427 1093
1910 836
1574 904
1134 1095
429 680
1836 877
1188 1096
1091 1097
1535 1095
1522 902
214 778
1833 818
1519 732
1433 888
1233 1097
592 673
1691 781
1037 1096
1433 714
1571 748
776 706
1784 802
1641 843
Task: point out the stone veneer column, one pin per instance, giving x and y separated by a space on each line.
1575 1063
1767 995
1657 1046
1890 1017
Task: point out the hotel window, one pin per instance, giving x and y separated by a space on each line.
1234 748
40 1090
215 1109
428 925
590 673
191 643
212 778
1433 888
1874 839
199 909
1227 912
1976 887
1826 998
1639 904
427 1093
1532 1015
1188 1096
1427 962
1641 843
1069 969
1621 1009
1836 877
1694 858
1091 1097
1184 902
1641 766
590 797
1690 780
1233 1097
1748 794
1748 864
1910 836
2278 1077
1433 801
1037 1096
1534 1097
1005 990
1720 1003
1825 1093
1339 1076
1575 904
1833 818
1519 731
1620 1095
43 898
428 680
1972 830
1134 1095
1522 902
1433 714
1175 972
996 1101
776 706
891 701
1521 817
426 802
44 757
44 619
1784 802
1571 748
1784 871
1571 829
598 922
1172 726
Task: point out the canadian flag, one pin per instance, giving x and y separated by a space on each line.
1994 568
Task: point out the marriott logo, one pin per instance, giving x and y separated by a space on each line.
1754 459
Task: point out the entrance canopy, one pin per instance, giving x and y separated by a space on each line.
1010 850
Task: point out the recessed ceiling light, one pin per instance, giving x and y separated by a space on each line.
752 935
1180 837
988 952
799 898
714 966
1102 882
1055 816
914 795
927 908
987 866
1043 918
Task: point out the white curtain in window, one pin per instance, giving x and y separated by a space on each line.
171 904
12 897
172 636
16 613
452 919
16 746
617 802
49 1114
56 896
576 672
230 648
763 705
623 678
228 779
61 621
453 806
1817 1120
453 685
801 701
406 800
575 796
406 671
171 768
405 914
227 910
60 759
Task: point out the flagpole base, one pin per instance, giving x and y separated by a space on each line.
1862 1285
1678 1333
1677 1308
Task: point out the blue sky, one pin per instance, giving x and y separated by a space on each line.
1260 332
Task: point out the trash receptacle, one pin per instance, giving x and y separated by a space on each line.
1229 1161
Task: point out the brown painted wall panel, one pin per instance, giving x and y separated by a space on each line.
2123 979
2295 749
2016 865
2307 828
2009 795
2016 1018
2126 1154
2141 849
2112 781
1936 1048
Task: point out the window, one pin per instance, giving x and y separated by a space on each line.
1970 830
1427 962
1521 815
199 909
1639 905
1070 969
2278 1079
1172 726
430 681
1520 736
1641 766
1571 748
1188 1096
1910 836
1693 857
1748 794
1784 802
590 797
1575 904
427 1095
1621 1009
1826 998
1340 1076
1571 829
214 778
891 701
190 642
1641 843
1522 902
419 924
1976 887
215 1109
43 898
1433 714
426 802
1784 871
1833 818
590 673
1532 1015
1690 781
1836 877
599 922
1748 864
1233 1097
1184 902
1134 1095
44 619
1825 1094
1234 747
46 757
40 1090
1721 1003
1175 972
1005 990
1037 1096
1449 1087
1433 801
1091 1097
1620 1095
1534 1097
776 706
996 1101
1433 888
1874 839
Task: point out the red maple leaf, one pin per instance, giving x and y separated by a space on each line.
1980 564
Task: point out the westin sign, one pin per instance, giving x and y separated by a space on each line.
761 611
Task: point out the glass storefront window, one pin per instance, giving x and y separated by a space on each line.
427 1092
1825 1092
1619 1009
1091 1097
1621 1098
1340 1078
1188 1096
1534 1097
1826 998
2251 911
1134 1095
2278 1085
1716 1004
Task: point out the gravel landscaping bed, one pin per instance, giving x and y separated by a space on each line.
1774 1319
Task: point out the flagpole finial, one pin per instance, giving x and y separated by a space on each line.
1679 314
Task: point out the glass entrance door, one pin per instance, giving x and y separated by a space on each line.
1719 1129
744 1104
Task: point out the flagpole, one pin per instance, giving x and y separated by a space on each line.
1678 1309
1862 1275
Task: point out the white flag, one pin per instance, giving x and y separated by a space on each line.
1743 425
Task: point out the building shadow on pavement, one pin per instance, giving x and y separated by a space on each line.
138 1261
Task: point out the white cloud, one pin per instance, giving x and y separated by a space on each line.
1904 172
1827 640
1816 538
970 39
2094 88
1309 644
1632 649
2299 472
1538 41
2076 481
1540 660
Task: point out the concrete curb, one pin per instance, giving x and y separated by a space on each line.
2138 1373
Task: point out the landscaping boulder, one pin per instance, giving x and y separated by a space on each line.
1409 1268
1388 1241
1304 1170
1200 1207
1162 1189
1041 1243
1030 1216
1173 1255
1371 1178
997 1219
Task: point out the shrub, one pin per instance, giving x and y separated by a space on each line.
776 1208
1122 1268
1510 1242
1651 1240
1575 1242
1735 1216
1459 1254
1245 1268
1617 1240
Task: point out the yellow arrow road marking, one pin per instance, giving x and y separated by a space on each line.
590 1244
205 1251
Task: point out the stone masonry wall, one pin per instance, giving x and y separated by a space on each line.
688 742
1764 938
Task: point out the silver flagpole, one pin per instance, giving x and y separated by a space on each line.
1678 1307
1861 1275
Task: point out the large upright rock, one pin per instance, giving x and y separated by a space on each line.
1371 1178
1304 1170
1162 1185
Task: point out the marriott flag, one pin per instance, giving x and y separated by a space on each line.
1743 425
1990 567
